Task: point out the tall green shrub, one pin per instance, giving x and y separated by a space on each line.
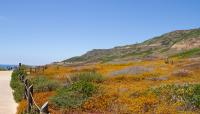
73 96
17 85
43 84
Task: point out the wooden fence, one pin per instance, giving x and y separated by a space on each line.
35 70
28 95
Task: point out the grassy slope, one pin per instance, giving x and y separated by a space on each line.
170 88
190 53
139 50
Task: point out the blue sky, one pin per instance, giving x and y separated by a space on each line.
43 31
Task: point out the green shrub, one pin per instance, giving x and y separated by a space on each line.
2 69
73 96
17 85
43 84
88 76
86 88
187 93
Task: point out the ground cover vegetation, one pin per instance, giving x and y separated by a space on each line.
146 86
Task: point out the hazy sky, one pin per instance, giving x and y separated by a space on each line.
43 31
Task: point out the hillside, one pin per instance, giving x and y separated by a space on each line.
169 44
131 79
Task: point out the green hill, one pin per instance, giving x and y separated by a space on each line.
184 43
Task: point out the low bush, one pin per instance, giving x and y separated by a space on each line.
17 85
2 69
73 96
43 84
88 76
188 94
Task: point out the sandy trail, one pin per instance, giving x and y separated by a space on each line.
7 103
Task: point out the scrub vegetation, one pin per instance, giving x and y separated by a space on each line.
158 76
133 87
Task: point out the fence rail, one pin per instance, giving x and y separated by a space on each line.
35 70
28 95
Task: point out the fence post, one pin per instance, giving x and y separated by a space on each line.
25 89
21 77
43 69
30 100
20 64
44 109
30 70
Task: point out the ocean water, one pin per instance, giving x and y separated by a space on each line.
6 66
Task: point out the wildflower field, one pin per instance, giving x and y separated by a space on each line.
134 87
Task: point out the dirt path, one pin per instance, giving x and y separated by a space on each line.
7 103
